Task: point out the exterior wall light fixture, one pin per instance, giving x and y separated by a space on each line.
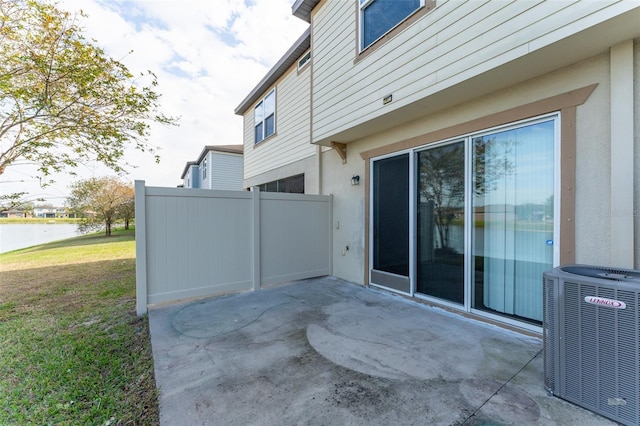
355 180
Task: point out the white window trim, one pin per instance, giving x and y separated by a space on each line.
304 60
362 6
264 127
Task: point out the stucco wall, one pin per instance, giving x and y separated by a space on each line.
348 211
593 170
593 167
308 166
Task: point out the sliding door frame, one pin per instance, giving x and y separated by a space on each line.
468 274
372 274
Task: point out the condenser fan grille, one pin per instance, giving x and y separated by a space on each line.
592 340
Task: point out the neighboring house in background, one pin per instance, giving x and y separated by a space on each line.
51 212
191 175
491 141
42 212
13 214
217 167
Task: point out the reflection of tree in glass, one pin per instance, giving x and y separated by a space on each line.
442 183
491 163
548 207
442 177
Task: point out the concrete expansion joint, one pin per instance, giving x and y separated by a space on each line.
497 391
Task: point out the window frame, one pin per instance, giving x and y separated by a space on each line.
204 168
284 185
364 4
264 116
305 60
407 284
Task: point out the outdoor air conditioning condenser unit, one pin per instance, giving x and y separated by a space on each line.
592 339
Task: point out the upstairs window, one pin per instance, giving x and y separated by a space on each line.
204 169
304 60
265 117
378 17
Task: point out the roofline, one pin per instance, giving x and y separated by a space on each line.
186 168
227 149
302 9
299 47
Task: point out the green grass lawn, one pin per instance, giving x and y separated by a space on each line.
72 350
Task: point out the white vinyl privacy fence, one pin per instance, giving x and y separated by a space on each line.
197 242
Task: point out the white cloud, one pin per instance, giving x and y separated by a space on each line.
207 54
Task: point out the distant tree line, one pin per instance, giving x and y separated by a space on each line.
102 202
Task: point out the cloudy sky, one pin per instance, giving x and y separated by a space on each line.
207 54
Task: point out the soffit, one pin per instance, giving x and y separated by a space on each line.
186 168
302 9
279 69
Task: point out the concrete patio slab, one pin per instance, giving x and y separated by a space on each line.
329 352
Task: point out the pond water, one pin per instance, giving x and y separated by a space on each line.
18 236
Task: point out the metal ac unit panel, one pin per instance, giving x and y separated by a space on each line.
591 324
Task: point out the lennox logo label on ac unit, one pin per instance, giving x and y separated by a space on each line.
601 301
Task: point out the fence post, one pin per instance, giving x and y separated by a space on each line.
141 247
330 202
255 217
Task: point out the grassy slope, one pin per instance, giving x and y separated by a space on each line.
72 350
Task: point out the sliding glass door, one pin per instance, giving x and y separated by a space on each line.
391 223
469 222
440 222
513 218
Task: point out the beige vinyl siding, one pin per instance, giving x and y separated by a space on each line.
292 140
453 43
334 42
